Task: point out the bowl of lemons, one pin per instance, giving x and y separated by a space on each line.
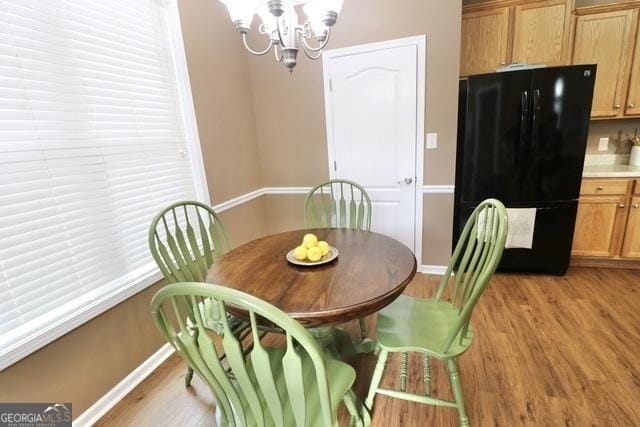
312 252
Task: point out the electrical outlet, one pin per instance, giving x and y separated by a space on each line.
432 141
603 144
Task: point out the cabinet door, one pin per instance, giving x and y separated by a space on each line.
632 107
542 33
607 39
631 247
599 226
484 41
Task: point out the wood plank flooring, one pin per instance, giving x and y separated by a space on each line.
548 351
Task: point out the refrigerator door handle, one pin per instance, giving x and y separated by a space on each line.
536 116
524 129
524 114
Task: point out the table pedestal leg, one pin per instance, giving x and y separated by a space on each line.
339 343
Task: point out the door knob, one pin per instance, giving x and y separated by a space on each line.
617 106
408 180
621 206
600 188
637 205
632 105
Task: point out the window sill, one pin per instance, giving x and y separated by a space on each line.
65 324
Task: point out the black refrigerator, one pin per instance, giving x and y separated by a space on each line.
522 138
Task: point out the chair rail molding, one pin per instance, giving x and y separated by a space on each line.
438 189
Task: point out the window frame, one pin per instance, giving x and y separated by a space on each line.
35 340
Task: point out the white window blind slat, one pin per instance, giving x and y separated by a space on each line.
92 146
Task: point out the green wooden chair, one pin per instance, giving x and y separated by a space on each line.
339 203
294 385
440 327
185 238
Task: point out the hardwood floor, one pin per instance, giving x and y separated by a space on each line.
548 351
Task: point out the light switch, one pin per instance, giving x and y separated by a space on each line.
432 141
603 144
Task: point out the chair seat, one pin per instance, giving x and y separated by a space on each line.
340 378
418 324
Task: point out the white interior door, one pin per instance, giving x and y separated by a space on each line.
371 106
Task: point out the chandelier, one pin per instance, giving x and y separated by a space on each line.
280 24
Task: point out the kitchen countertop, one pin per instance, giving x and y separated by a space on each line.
611 171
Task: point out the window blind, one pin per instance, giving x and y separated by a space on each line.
92 146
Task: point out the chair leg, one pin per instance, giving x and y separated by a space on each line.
188 376
426 363
404 360
359 414
377 376
457 391
363 329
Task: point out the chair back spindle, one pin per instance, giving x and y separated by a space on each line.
185 239
338 203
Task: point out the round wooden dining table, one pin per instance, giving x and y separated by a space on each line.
370 272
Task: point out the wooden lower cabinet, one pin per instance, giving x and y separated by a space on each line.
599 226
608 223
631 247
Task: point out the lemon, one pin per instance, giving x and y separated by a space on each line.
309 240
300 252
314 253
324 247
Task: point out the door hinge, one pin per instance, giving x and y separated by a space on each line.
335 165
330 85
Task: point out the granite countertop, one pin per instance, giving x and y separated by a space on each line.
611 171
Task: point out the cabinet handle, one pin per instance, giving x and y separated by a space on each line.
636 206
600 188
632 105
515 61
617 106
621 206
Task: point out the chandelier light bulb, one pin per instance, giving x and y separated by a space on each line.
315 13
241 13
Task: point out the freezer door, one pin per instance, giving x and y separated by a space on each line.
560 111
552 238
493 129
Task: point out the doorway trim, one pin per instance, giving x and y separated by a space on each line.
420 43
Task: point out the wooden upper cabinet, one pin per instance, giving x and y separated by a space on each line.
485 36
542 32
631 247
607 39
632 106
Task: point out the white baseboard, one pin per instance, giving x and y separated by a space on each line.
117 393
437 270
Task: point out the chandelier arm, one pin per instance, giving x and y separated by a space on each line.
246 45
314 49
279 56
310 54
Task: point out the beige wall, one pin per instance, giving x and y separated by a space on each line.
222 97
84 364
289 109
618 132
